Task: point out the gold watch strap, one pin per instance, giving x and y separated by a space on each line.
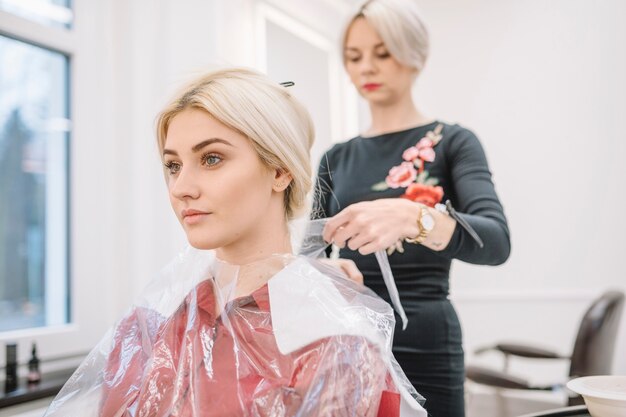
423 233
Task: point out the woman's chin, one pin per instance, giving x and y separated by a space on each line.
203 243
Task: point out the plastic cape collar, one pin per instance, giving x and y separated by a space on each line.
306 306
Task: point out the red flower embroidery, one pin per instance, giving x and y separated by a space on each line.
427 154
426 194
411 154
421 188
416 154
425 142
401 175
412 170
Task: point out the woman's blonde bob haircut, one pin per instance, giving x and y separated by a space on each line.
400 26
277 125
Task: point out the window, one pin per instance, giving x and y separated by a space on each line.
55 13
34 132
54 257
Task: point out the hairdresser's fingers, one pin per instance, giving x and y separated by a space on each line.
352 271
359 240
331 228
335 223
347 266
352 220
379 243
344 234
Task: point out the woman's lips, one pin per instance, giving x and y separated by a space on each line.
194 218
191 216
371 86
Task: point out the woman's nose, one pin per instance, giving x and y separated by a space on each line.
184 185
368 65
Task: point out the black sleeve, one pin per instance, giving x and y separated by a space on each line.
323 192
474 197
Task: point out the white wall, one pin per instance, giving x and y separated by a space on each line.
542 84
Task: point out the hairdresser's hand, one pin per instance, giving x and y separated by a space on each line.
347 266
371 226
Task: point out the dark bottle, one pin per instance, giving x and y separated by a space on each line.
34 375
10 383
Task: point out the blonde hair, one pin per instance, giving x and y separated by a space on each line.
400 26
277 125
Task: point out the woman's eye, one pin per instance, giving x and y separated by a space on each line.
211 159
383 55
172 167
353 58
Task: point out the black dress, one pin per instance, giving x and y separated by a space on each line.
430 350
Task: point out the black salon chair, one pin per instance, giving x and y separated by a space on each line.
575 411
592 353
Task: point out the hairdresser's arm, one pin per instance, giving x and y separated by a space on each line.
370 226
322 193
475 199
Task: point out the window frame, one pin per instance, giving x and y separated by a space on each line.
90 243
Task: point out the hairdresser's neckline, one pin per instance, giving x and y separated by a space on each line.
394 132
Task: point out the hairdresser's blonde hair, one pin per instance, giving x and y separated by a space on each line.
400 26
277 125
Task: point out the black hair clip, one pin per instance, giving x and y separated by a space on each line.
287 83
452 212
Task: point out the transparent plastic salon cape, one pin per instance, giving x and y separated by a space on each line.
283 336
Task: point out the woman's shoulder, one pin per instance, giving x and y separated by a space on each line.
311 301
456 131
341 147
337 152
456 137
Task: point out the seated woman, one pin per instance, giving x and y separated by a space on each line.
237 325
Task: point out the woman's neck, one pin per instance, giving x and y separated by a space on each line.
267 238
255 258
399 115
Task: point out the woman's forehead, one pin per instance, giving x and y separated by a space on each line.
362 34
192 126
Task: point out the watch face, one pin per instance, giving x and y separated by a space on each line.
428 222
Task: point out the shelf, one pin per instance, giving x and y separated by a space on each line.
50 385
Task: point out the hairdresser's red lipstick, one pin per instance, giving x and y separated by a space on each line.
371 86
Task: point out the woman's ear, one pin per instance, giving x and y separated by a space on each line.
282 179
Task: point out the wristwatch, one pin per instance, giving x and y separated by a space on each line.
425 223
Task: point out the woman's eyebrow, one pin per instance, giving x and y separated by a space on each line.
207 142
199 146
352 48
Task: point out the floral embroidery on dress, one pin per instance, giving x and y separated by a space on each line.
420 186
